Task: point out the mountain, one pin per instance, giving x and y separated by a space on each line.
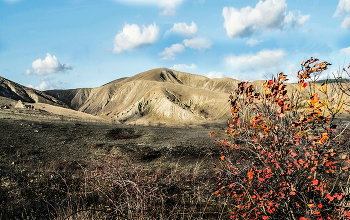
15 91
156 96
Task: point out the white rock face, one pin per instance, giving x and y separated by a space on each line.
19 104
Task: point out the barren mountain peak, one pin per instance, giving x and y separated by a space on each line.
160 95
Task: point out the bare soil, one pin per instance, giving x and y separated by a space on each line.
35 142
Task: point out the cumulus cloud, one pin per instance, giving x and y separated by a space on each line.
345 51
49 65
270 14
263 62
47 83
346 23
214 74
132 37
253 42
294 21
168 6
342 8
183 29
184 67
169 52
198 43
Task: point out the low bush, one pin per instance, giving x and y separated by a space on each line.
284 156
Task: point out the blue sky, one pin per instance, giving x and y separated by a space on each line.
65 44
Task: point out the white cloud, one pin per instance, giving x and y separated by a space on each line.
342 8
132 37
47 83
168 6
198 43
296 22
292 74
183 29
253 42
49 65
184 67
345 51
214 74
269 14
169 52
256 65
346 23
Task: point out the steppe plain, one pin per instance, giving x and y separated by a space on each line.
158 121
37 142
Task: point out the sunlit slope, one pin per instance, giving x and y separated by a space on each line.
159 96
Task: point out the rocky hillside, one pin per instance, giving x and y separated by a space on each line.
15 91
158 96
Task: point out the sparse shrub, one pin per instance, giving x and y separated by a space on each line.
284 156
127 190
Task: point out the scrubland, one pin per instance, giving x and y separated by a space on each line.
283 154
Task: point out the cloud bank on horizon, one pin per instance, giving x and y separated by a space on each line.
246 40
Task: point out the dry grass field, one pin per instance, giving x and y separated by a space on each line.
45 161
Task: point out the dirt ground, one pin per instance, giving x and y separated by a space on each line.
32 141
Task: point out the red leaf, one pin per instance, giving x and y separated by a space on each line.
314 182
304 85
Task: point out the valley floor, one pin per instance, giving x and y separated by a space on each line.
34 144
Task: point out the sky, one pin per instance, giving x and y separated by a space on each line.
65 44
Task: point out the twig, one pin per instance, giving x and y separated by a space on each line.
342 131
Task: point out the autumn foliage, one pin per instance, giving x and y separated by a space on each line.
285 156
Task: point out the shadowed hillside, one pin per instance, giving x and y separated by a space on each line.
15 91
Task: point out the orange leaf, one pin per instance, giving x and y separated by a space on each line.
250 175
222 158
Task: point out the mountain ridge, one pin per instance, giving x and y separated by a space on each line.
158 95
